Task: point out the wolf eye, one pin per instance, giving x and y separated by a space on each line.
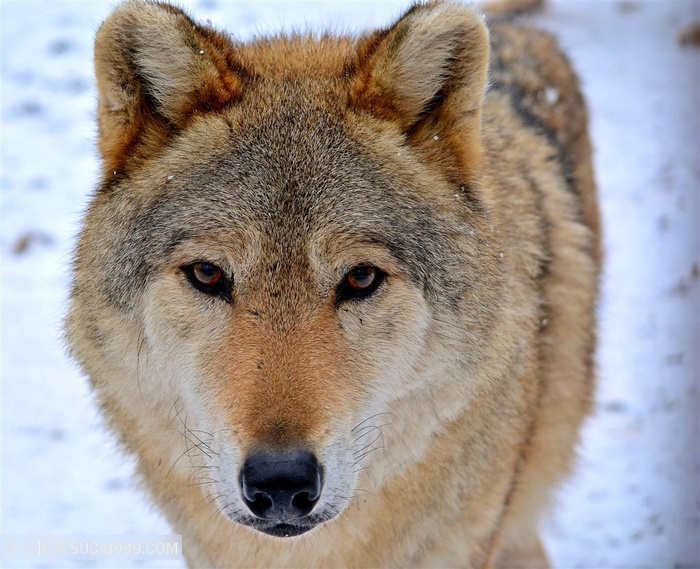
360 282
207 274
208 278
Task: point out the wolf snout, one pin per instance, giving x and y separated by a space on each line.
281 486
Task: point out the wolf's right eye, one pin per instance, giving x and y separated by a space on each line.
360 282
209 279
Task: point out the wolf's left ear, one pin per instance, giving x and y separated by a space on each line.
155 68
427 73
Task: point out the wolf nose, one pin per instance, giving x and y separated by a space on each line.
281 486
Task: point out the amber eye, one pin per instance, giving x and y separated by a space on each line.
207 274
360 282
208 278
361 278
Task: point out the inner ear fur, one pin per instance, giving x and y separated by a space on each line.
155 68
428 74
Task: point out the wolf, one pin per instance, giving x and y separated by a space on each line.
337 294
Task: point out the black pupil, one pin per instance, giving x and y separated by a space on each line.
362 277
207 272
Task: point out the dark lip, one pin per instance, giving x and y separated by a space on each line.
284 529
281 529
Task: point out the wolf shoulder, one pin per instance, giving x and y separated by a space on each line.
536 117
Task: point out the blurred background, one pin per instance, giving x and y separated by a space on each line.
634 500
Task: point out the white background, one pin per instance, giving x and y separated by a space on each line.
634 501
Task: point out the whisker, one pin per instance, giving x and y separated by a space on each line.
202 482
379 437
366 454
369 419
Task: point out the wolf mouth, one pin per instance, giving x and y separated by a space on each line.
286 528
282 529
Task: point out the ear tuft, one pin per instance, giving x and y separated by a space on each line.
155 67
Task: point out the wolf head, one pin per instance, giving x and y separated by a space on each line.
291 238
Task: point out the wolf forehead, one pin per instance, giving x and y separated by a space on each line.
286 181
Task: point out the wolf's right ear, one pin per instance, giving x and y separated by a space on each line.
155 68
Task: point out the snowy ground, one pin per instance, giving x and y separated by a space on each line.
635 501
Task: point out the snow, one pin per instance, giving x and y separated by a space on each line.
635 498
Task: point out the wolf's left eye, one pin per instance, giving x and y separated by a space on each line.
207 274
360 282
208 278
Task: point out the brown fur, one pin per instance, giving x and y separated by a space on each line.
445 407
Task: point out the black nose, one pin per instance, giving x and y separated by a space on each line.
281 486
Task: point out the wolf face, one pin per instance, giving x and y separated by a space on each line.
287 285
286 257
303 309
309 272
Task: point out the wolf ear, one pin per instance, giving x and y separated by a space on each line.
155 67
427 73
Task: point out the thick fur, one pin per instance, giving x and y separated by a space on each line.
445 407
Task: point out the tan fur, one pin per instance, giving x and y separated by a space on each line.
511 8
445 407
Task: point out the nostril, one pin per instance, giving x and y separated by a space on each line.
303 502
260 504
281 486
